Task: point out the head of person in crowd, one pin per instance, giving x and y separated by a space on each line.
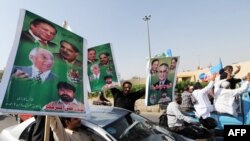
104 58
163 70
197 85
190 89
42 59
91 55
126 87
173 63
66 92
154 66
178 99
186 88
43 29
71 123
68 51
228 69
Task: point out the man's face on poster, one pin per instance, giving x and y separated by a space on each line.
108 80
44 31
67 52
96 70
91 55
173 64
43 60
162 72
104 59
66 95
155 65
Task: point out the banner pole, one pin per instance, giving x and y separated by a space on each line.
47 129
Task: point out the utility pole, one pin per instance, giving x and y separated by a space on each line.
147 18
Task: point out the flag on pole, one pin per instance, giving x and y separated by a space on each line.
213 70
216 68
168 53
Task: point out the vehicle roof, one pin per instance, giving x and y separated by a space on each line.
104 115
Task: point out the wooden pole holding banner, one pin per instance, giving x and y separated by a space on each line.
47 129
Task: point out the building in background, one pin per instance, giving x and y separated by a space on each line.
193 76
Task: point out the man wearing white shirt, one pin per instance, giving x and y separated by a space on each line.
42 62
176 122
203 107
225 97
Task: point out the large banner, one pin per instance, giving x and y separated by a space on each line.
101 67
161 80
44 74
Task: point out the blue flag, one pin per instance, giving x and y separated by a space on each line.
216 68
169 53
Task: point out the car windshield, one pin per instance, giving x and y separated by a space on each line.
131 127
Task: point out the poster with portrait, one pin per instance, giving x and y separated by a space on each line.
44 75
161 80
101 67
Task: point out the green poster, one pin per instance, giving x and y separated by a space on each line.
46 70
101 67
162 74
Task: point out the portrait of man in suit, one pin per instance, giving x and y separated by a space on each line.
92 56
163 83
96 78
40 70
40 31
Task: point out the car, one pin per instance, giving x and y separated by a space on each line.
108 124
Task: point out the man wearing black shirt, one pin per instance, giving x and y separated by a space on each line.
126 99
228 70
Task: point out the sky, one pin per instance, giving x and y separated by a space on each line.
198 31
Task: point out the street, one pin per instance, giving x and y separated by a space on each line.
6 121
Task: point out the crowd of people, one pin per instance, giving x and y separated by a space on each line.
219 95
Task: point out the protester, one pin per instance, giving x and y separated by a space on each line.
187 99
228 70
184 125
69 129
203 107
125 98
36 131
225 97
